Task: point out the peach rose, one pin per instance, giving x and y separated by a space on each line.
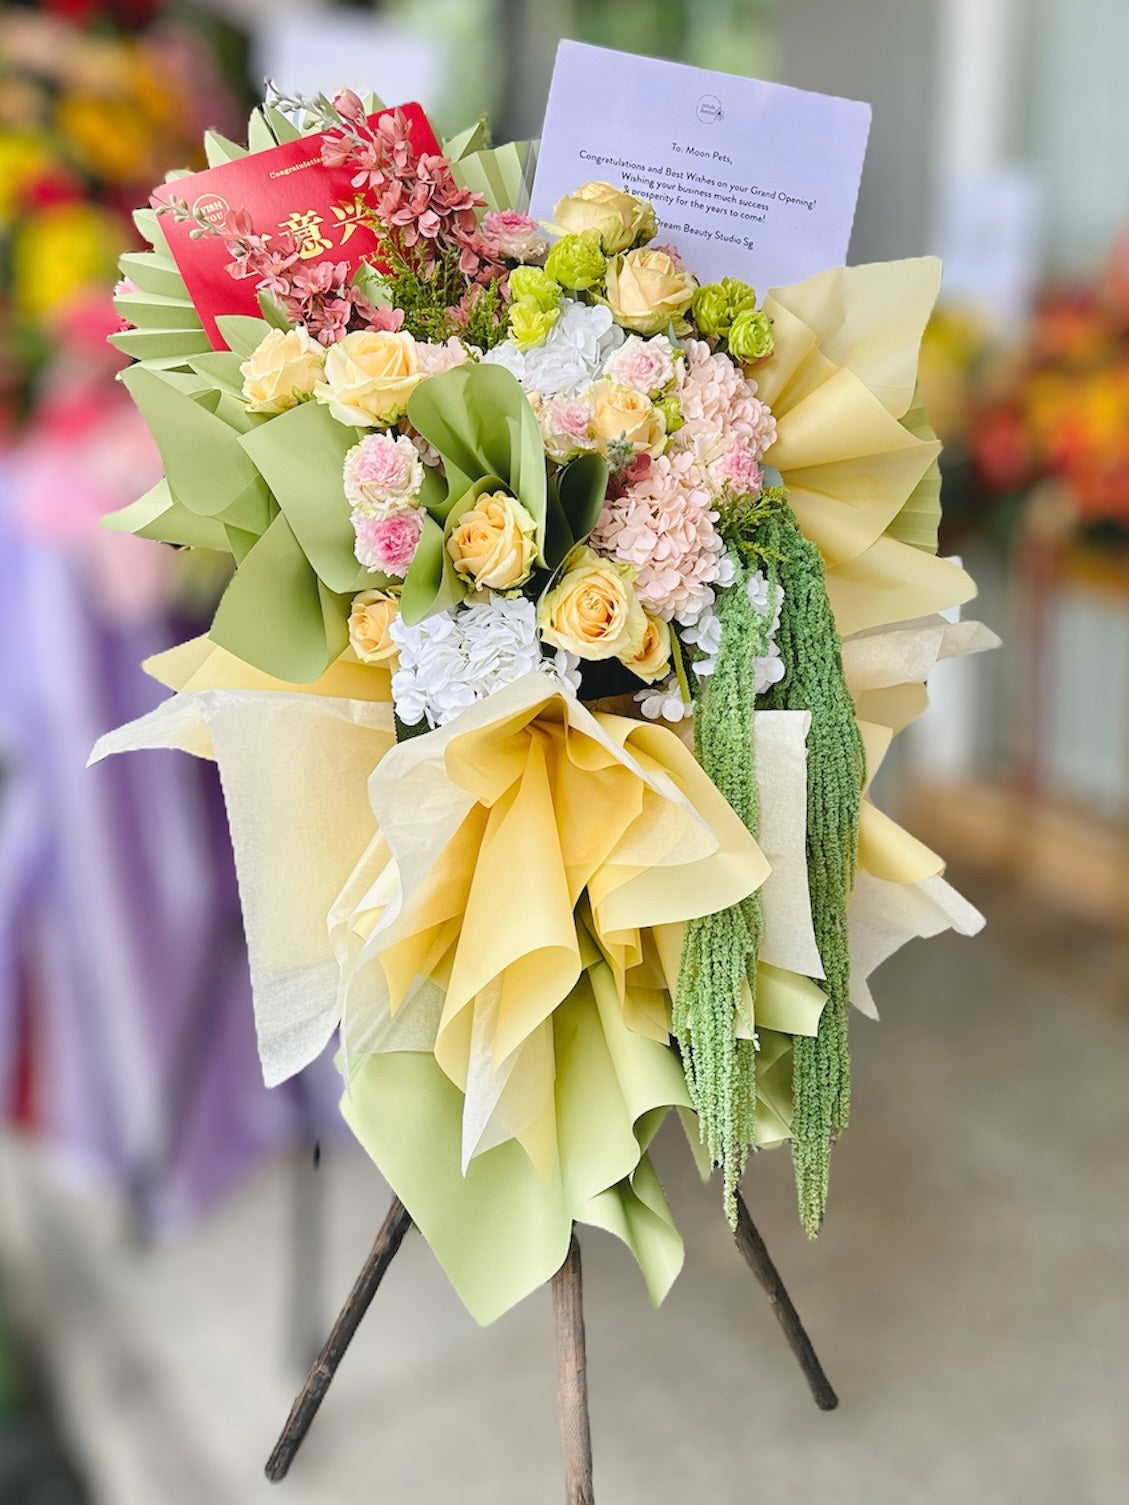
593 610
624 414
653 658
371 615
369 376
646 290
620 219
285 366
493 546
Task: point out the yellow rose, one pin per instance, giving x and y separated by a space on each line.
369 377
285 366
653 658
621 413
370 617
647 289
493 546
620 219
593 610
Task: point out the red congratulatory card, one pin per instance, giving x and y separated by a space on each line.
286 188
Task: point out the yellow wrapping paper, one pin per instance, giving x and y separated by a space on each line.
840 383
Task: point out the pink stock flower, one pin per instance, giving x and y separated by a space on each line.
388 544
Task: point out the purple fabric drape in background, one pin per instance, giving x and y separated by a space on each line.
119 917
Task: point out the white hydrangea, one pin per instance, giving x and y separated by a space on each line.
570 357
454 658
663 701
704 631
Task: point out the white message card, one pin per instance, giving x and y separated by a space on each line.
748 179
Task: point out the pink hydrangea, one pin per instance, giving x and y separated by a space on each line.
663 525
516 237
388 543
382 475
717 400
738 469
645 365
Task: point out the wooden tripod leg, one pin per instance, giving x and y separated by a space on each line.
312 1393
752 1246
572 1379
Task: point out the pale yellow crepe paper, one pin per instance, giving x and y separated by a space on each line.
201 664
841 377
885 915
294 769
886 669
532 801
869 319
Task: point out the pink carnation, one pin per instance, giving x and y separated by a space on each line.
717 400
663 525
438 358
738 468
565 426
645 365
388 543
514 236
382 475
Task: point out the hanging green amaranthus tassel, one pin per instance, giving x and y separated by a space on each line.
811 650
719 951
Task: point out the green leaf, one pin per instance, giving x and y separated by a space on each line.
207 469
220 369
219 150
153 274
148 223
158 516
241 333
240 542
301 455
431 584
582 485
273 313
260 137
284 130
480 421
157 311
272 614
174 345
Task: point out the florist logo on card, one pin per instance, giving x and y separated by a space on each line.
709 109
211 207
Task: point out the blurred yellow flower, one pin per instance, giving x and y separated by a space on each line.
109 138
23 158
61 250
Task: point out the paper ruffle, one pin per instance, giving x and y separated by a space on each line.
841 386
